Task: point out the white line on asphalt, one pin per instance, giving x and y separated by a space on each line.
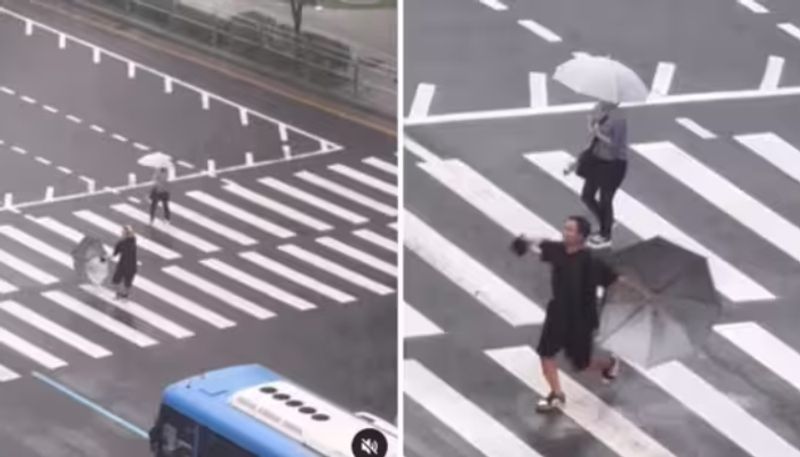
65 170
393 226
614 430
313 200
55 330
119 138
37 245
223 295
537 85
8 198
50 109
540 30
30 350
100 319
27 269
182 303
723 194
28 100
8 91
287 151
470 275
74 119
6 288
765 348
695 128
116 229
335 269
18 150
135 200
376 239
242 215
772 74
754 6
175 232
421 104
98 129
790 29
141 147
496 5
277 207
381 164
662 80
466 419
283 132
185 164
64 230
297 277
90 183
212 225
646 223
358 254
416 325
364 178
258 284
42 160
140 312
347 193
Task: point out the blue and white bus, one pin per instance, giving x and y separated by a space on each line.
250 411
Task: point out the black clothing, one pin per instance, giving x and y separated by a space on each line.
126 266
157 196
572 315
605 176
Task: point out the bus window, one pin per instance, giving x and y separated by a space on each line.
217 446
173 435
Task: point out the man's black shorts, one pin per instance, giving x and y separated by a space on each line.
557 334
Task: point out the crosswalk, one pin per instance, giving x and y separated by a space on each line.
237 250
722 409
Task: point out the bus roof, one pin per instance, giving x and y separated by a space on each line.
204 399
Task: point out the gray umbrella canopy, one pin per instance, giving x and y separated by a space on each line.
87 260
679 316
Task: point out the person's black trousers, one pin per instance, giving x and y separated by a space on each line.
606 177
155 198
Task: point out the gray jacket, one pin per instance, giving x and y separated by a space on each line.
614 127
161 181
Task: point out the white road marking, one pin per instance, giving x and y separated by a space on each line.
335 269
416 325
119 138
90 183
211 168
287 151
182 303
8 198
18 150
6 288
496 5
418 150
313 200
297 277
540 30
50 109
376 239
30 350
258 284
283 132
662 80
357 254
141 147
42 160
242 215
723 194
277 207
774 150
204 100
537 84
74 119
55 330
347 193
364 178
210 224
244 117
381 164
185 164
421 104
116 229
695 128
140 312
470 275
167 85
96 53
790 29
176 232
466 419
754 6
772 74
646 224
37 245
27 269
48 193
29 100
98 129
64 230
131 70
28 27
221 294
99 318
605 423
62 41
8 91
393 226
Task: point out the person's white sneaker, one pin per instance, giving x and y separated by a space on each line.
598 241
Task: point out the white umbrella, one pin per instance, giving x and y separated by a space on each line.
602 78
156 160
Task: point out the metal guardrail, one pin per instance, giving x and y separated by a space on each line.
260 40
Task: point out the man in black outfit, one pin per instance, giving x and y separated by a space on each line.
572 315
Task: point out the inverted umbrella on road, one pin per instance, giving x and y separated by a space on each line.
155 160
601 78
89 260
679 316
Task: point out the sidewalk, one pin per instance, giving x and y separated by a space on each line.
370 31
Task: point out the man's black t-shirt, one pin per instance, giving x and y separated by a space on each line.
574 281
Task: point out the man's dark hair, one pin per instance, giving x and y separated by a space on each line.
584 226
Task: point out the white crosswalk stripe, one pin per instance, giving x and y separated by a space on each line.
6 287
240 214
376 239
177 233
775 150
278 207
30 350
211 225
297 277
357 254
364 178
347 193
66 231
116 229
184 304
100 319
335 269
417 325
56 330
37 245
220 293
381 164
313 200
27 269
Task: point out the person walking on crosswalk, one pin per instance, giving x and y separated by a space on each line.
572 313
127 263
603 166
160 193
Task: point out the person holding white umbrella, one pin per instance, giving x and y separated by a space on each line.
159 193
